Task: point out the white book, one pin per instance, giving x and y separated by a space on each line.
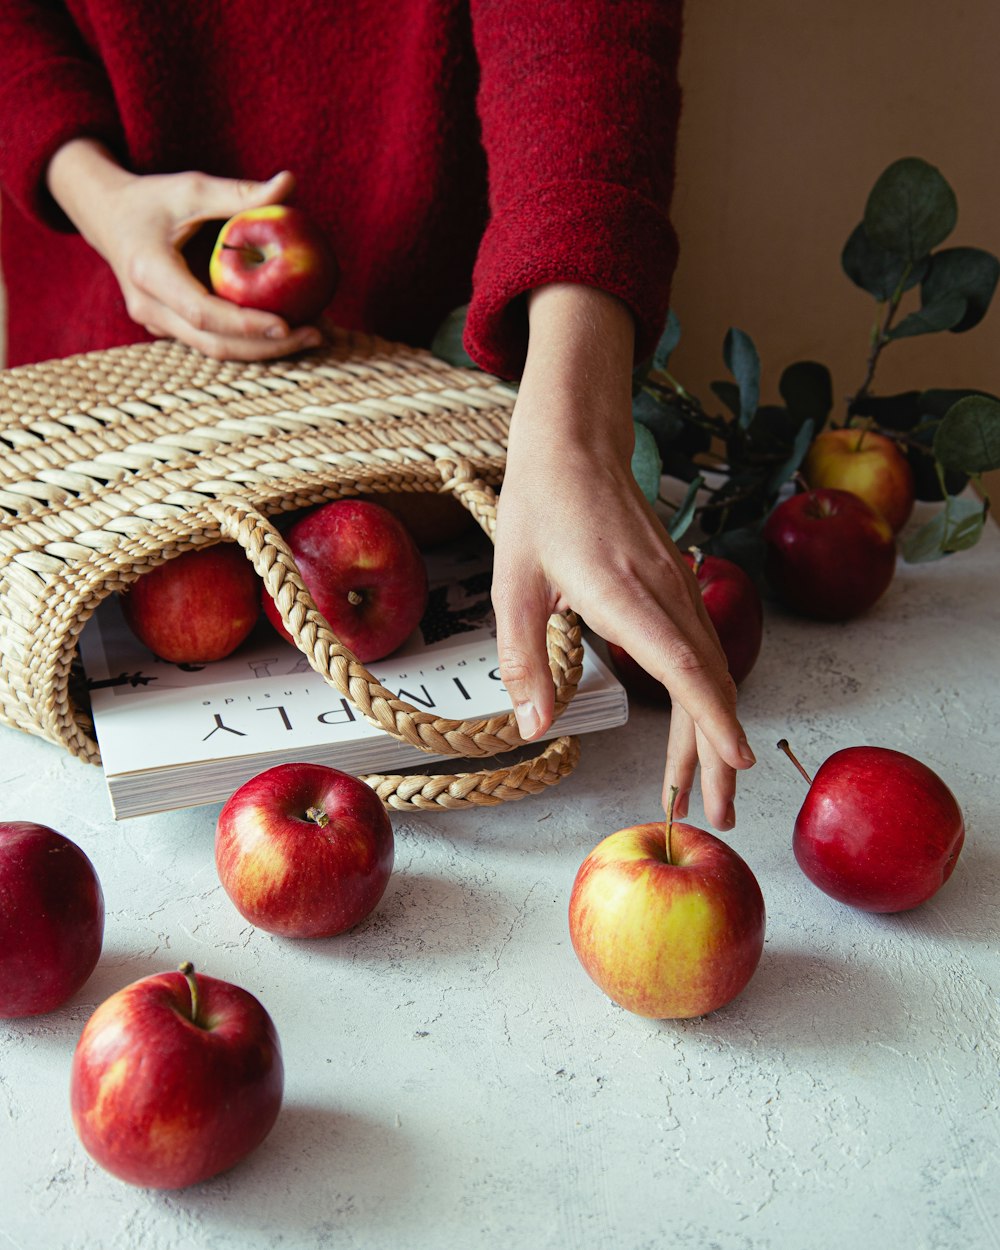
174 736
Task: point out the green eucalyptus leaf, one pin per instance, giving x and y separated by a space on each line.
968 272
911 209
743 363
945 314
646 463
957 526
807 389
877 270
784 472
935 402
729 393
968 438
680 522
743 545
447 342
892 412
669 339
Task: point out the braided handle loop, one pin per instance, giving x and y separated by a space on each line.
273 560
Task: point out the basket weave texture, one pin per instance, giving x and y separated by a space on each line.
113 462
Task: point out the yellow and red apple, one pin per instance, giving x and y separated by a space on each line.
867 464
275 258
668 925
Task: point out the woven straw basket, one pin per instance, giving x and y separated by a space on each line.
113 462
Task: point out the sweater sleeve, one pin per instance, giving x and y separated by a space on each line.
51 90
579 104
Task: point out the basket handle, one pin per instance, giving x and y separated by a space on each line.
270 555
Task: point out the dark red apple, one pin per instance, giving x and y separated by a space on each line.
828 554
669 926
364 572
734 608
275 258
878 829
175 1078
304 850
197 607
51 918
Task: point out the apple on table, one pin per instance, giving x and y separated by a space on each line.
304 850
364 572
275 258
828 554
867 464
878 829
51 918
667 919
175 1078
734 607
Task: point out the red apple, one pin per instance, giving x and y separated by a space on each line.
734 608
303 850
667 931
197 607
878 829
364 572
275 258
828 555
175 1078
868 465
51 918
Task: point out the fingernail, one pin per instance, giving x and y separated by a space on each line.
681 804
527 719
746 754
730 816
276 332
311 338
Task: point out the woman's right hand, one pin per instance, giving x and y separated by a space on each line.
140 223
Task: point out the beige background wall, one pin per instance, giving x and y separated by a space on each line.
792 110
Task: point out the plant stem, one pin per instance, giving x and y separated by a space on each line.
783 746
879 339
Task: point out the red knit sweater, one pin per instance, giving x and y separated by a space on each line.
451 149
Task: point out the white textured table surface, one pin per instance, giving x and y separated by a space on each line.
454 1080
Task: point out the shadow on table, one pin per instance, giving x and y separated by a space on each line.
319 1171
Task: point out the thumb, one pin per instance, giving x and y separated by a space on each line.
522 611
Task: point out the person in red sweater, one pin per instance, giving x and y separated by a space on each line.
515 155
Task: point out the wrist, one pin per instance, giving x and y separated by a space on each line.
80 175
577 380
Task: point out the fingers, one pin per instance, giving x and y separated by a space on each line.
163 296
522 610
206 197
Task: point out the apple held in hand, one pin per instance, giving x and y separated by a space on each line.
734 608
878 829
197 607
175 1078
275 258
51 918
828 555
364 573
304 851
669 926
868 465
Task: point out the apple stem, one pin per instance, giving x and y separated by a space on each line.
354 597
783 746
699 558
318 815
670 821
861 436
187 968
251 253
